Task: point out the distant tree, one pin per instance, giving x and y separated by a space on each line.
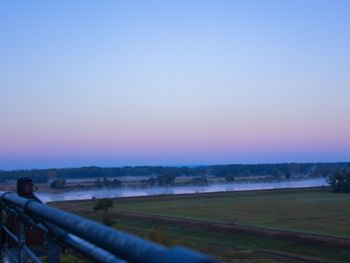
58 184
107 183
166 179
98 182
229 177
287 175
151 181
200 180
340 182
116 183
103 204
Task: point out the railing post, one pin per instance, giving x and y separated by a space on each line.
53 251
21 242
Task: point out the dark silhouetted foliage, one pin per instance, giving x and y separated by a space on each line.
107 183
166 179
151 181
200 180
229 178
58 184
103 204
279 171
340 182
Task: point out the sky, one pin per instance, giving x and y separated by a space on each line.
186 82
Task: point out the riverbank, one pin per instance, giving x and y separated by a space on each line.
177 189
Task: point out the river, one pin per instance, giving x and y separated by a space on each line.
176 190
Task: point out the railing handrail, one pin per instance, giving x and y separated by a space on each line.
118 243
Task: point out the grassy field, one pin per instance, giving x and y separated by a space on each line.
313 210
307 210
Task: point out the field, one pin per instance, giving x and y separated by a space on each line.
291 225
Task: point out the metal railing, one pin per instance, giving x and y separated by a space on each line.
97 242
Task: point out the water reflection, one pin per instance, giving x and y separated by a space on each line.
130 192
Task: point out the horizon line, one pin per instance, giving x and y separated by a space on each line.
171 166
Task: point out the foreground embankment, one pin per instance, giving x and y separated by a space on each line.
287 225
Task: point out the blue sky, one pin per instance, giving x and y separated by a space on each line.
173 82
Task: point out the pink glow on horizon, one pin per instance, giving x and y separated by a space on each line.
149 141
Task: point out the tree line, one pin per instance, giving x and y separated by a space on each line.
278 171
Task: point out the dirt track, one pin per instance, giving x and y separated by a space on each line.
254 231
234 228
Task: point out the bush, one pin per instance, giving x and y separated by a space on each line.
107 183
103 204
98 182
151 181
58 184
340 182
116 183
166 179
200 181
229 177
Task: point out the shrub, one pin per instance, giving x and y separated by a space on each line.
166 179
58 184
116 183
103 204
107 183
151 181
229 177
98 182
340 182
200 181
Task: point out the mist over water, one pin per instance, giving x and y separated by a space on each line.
177 190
